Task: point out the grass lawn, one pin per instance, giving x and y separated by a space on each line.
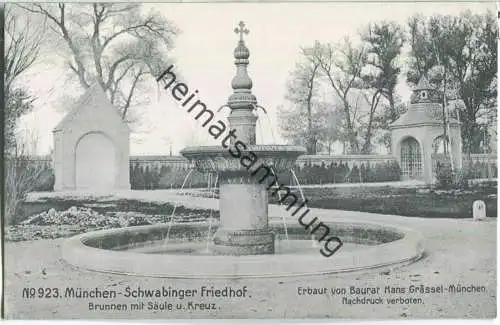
411 202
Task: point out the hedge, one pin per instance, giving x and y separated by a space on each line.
341 173
145 177
161 178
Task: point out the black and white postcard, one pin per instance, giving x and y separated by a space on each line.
279 160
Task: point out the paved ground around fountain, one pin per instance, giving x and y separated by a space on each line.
458 252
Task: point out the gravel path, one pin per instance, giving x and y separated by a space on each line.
457 252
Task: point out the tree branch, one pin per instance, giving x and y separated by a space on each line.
131 93
96 46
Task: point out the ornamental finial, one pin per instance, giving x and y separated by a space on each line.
241 30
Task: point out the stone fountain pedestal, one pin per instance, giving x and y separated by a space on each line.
243 221
243 200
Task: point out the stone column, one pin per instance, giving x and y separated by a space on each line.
243 220
244 122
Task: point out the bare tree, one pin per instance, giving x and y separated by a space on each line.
113 44
342 65
22 46
384 41
22 39
22 174
330 120
302 89
373 101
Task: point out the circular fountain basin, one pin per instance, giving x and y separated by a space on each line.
143 251
218 159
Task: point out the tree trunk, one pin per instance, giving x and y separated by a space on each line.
351 134
311 148
394 114
445 122
368 137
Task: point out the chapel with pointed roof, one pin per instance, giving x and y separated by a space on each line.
91 146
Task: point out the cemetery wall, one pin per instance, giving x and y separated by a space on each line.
161 172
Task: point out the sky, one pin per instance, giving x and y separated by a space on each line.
204 55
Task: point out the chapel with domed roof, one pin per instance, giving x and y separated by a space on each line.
417 134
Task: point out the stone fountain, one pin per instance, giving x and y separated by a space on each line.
245 243
243 200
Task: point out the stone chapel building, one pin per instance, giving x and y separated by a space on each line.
416 136
91 146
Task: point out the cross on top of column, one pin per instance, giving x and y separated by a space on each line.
241 30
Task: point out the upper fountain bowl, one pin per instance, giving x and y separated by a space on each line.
216 159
